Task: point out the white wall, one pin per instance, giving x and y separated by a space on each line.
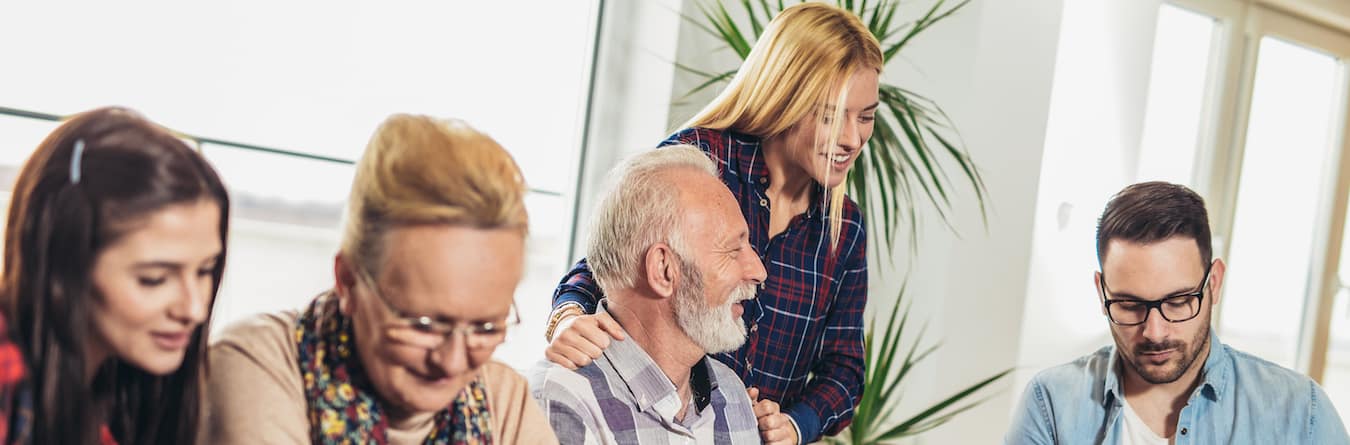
991 67
1091 151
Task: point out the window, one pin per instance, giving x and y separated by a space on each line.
317 79
1283 182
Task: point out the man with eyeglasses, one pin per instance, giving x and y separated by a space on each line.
1167 378
672 253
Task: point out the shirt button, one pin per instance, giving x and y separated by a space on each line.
763 180
1184 431
763 202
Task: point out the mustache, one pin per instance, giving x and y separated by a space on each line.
1149 346
742 293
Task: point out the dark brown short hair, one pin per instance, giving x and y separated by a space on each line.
1149 212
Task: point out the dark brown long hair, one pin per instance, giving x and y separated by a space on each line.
128 169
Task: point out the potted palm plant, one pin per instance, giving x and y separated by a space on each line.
913 145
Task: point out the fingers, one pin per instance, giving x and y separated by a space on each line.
765 408
778 437
775 429
753 392
589 338
579 341
560 359
608 324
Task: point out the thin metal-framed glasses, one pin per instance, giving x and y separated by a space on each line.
1176 308
430 332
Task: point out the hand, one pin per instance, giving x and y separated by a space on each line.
579 340
774 427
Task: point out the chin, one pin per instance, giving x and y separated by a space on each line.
420 396
159 364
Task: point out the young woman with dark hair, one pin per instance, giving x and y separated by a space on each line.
114 249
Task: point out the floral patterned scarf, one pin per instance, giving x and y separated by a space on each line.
342 407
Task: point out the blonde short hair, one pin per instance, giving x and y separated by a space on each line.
419 170
799 65
640 209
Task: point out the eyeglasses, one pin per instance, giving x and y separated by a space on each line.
430 333
1175 309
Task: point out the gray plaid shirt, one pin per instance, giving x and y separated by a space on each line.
624 398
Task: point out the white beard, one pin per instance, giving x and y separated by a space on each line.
715 329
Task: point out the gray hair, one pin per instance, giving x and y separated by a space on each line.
639 210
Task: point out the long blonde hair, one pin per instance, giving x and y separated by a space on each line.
800 65
419 170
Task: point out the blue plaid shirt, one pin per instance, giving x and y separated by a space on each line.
805 349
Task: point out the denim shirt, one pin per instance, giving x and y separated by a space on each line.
1241 400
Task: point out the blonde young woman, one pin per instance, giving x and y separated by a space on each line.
399 350
784 134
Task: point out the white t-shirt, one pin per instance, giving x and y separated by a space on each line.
1135 432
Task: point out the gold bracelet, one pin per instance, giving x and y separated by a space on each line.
559 314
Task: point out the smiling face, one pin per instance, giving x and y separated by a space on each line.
808 140
1159 351
720 269
452 274
154 287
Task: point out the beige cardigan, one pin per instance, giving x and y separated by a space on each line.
255 394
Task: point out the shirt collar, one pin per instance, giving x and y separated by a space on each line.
650 386
1214 375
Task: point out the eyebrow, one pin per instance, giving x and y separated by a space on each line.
173 265
1126 296
830 108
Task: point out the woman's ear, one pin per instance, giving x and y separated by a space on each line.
344 279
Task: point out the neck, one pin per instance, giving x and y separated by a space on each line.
786 180
651 324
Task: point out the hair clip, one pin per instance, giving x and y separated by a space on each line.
75 161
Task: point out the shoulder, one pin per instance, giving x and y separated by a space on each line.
501 378
550 381
714 142
1084 378
854 222
700 137
1269 382
255 389
269 336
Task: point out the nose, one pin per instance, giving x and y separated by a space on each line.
1155 326
451 357
850 136
193 302
753 267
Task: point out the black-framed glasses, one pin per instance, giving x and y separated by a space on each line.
1176 308
432 333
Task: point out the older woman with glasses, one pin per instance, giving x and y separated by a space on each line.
399 350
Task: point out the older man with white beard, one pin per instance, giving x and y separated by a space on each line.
671 250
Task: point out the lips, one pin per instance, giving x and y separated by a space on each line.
1158 357
171 340
840 160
